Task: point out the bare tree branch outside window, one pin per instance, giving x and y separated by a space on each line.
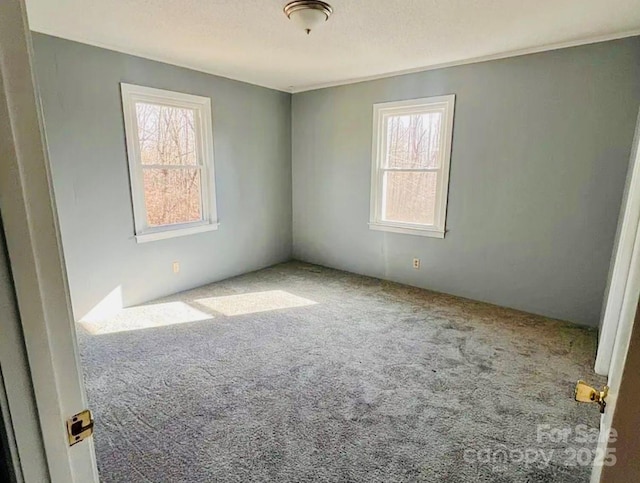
170 167
413 144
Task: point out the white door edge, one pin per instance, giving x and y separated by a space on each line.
619 355
628 305
28 213
621 261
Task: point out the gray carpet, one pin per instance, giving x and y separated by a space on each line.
321 375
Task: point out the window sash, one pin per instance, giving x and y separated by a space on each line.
131 96
383 201
417 170
172 166
382 113
199 166
196 132
201 198
408 112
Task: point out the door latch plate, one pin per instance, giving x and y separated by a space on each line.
586 393
80 427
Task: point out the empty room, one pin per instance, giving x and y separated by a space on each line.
344 241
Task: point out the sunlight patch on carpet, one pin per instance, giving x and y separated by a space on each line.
251 303
146 317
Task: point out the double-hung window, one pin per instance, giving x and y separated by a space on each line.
170 149
410 165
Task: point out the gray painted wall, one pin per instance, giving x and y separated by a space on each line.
540 151
79 86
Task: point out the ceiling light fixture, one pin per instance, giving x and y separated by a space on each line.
308 13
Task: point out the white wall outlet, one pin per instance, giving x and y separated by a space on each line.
176 267
416 263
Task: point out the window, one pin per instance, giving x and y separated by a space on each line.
170 149
410 165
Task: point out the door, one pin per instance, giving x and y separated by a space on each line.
27 210
621 303
620 274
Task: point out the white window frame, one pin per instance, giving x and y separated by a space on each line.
132 94
381 112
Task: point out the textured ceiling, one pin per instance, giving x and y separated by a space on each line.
253 41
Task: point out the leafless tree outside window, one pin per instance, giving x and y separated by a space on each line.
170 165
413 145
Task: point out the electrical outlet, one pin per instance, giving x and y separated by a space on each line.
176 267
416 263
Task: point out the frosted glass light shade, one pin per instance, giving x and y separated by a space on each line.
308 18
308 14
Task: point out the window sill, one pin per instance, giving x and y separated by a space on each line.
175 232
407 230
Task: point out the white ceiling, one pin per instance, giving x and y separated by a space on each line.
253 41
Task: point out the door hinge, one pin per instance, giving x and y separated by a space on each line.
80 427
585 393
